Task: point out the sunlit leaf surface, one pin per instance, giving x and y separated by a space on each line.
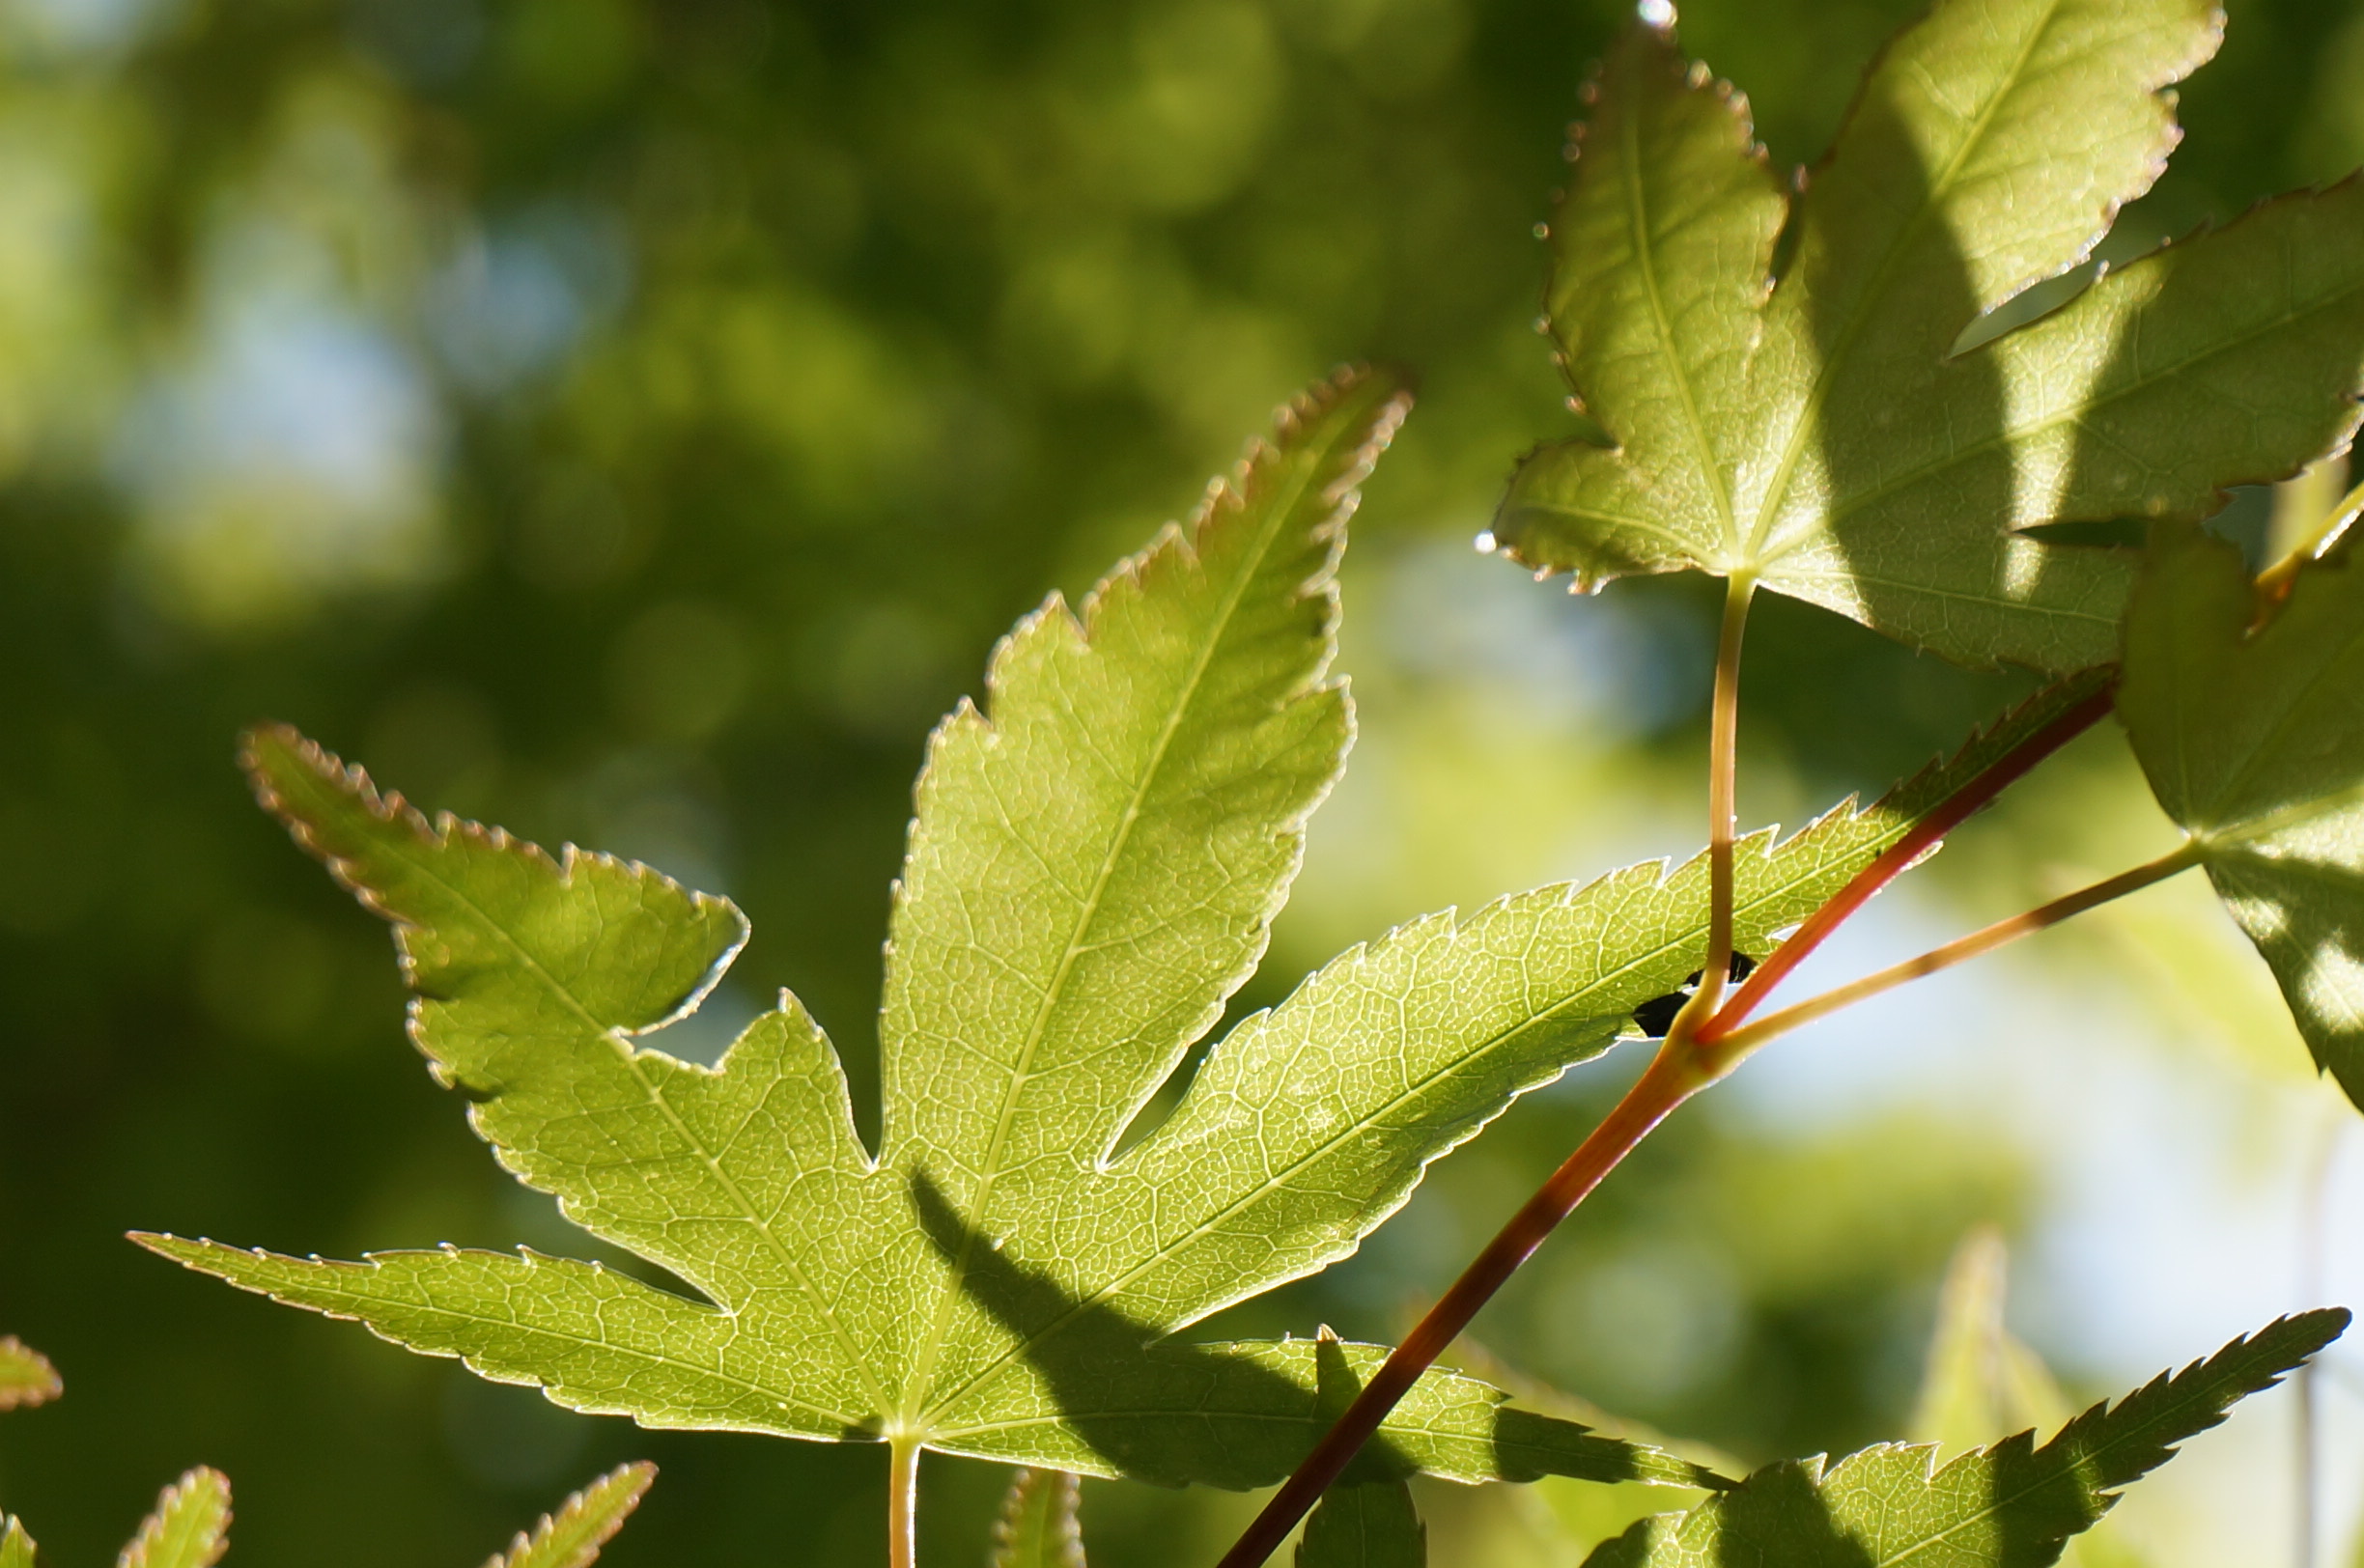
1824 436
1095 858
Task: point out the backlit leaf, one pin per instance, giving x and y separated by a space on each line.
572 1537
26 1376
1038 1527
1822 435
190 1528
1096 858
2253 741
2011 1505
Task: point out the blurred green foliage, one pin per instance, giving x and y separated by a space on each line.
632 423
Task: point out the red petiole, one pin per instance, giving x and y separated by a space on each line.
1685 1063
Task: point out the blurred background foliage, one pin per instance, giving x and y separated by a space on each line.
632 422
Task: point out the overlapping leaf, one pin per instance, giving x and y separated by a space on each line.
2011 1505
1091 871
1821 434
2253 741
26 1376
1984 1383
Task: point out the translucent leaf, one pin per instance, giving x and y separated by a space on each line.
2253 741
1823 434
1095 861
1364 1525
26 1376
1983 1383
1038 1527
2011 1505
190 1528
572 1537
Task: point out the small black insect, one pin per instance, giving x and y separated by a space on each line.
1657 1015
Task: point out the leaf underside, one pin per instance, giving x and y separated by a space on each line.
1038 1527
572 1537
190 1526
1096 858
2254 744
1364 1525
1823 436
2010 1505
26 1376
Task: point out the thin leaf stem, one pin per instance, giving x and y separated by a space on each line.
1671 1079
2275 582
1723 778
1725 1052
2310 1289
1923 837
902 1502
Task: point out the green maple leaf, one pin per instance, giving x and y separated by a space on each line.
1038 1527
1821 435
2253 741
2011 1505
26 1376
1093 866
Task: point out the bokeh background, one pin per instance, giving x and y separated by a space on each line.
632 422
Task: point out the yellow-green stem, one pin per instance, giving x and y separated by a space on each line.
1723 778
902 1502
2275 581
1725 1051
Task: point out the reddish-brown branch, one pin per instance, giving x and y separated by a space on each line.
1720 1055
1681 1069
1923 835
1667 1084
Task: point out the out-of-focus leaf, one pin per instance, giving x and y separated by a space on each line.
26 1376
16 1545
1823 436
190 1528
2011 1505
1364 1525
1983 1383
572 1537
1038 1527
2253 741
